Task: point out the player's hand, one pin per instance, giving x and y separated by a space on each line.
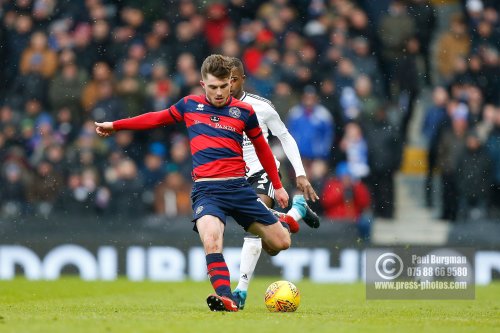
281 197
306 188
104 129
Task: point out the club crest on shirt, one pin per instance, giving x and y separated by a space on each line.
215 119
199 210
234 112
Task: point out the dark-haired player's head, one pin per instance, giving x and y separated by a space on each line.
237 77
216 78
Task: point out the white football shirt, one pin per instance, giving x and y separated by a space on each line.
269 120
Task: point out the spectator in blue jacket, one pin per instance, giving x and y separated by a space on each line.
312 126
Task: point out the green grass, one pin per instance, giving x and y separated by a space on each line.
71 305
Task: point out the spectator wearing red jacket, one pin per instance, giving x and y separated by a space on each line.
217 20
344 197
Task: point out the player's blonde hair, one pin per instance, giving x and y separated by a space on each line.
216 65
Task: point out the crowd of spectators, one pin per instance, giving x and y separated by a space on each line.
343 74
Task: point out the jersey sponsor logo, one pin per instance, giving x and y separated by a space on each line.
199 210
215 119
217 125
200 107
225 127
234 112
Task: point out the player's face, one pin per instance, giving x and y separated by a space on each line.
237 80
216 90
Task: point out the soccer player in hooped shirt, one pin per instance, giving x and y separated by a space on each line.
215 123
269 120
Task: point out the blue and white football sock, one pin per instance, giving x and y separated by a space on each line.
298 210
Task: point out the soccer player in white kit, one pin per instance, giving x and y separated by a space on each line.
269 120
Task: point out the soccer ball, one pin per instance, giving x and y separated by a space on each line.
282 296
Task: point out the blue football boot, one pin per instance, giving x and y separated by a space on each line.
240 296
308 215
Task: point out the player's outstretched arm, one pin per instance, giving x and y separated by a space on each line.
142 122
104 129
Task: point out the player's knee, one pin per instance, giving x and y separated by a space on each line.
286 243
212 244
278 247
281 244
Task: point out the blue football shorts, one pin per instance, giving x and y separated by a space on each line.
233 197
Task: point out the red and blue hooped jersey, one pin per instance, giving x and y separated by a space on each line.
216 134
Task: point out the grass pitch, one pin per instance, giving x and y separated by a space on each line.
72 305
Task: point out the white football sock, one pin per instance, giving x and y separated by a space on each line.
250 253
293 212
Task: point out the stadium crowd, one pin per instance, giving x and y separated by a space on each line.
344 76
